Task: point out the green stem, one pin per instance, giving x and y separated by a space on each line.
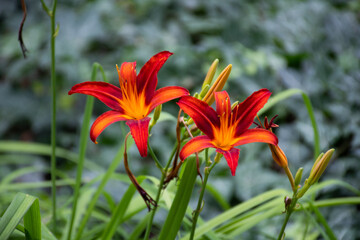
288 213
163 175
289 210
158 164
53 115
83 142
200 201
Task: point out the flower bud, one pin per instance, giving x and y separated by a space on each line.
210 74
320 166
278 155
204 90
156 116
298 176
218 85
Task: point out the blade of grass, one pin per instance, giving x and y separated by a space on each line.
313 220
178 208
236 210
44 149
114 164
119 211
83 142
321 219
22 206
140 228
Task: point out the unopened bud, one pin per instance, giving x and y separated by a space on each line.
218 85
298 176
217 157
157 112
204 90
196 95
210 74
278 155
320 166
156 116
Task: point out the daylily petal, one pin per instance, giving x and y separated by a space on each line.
166 94
103 121
204 116
256 135
232 158
195 145
127 73
147 78
246 111
223 105
105 92
140 132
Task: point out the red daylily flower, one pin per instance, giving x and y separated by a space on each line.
133 101
225 128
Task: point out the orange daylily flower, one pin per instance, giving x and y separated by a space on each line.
134 100
225 128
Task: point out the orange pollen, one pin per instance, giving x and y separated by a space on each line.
132 102
224 137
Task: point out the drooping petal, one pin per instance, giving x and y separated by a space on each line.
166 94
223 105
195 145
127 72
105 92
256 135
204 116
232 158
140 132
103 121
246 111
147 78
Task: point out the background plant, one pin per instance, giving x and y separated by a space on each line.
311 45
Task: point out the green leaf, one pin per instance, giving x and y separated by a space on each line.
119 211
44 149
235 211
178 208
22 206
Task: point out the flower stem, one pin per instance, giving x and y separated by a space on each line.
289 210
200 201
163 175
288 213
53 115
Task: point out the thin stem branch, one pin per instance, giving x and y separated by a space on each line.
200 200
288 213
53 115
163 176
158 164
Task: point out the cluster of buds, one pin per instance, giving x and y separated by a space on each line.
207 90
317 170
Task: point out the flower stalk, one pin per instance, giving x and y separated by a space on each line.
199 207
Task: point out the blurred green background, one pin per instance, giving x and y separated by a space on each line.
279 44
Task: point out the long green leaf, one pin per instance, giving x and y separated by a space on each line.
22 206
44 149
178 208
83 142
119 212
235 211
114 164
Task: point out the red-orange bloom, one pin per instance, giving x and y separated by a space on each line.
133 101
225 128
